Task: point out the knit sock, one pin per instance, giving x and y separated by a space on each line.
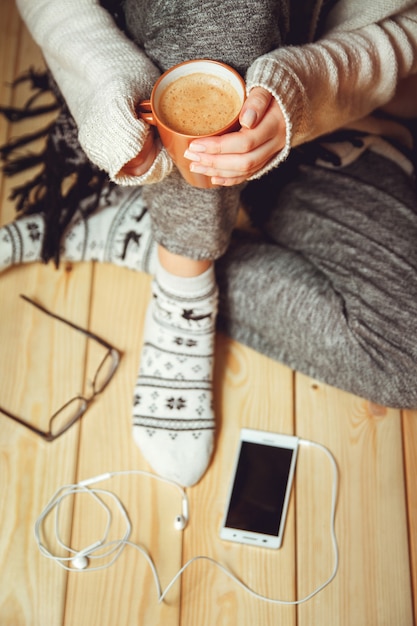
21 241
173 420
118 232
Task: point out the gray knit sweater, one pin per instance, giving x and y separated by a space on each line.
365 55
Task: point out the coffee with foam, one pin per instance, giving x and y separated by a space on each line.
198 104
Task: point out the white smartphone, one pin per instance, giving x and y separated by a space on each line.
260 489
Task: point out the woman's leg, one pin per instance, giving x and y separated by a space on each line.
333 291
118 232
173 420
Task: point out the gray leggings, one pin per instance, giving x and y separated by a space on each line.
330 286
198 223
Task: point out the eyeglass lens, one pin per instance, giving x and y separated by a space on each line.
105 371
74 409
67 415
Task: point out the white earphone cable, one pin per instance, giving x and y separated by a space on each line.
115 547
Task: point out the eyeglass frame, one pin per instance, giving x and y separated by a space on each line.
85 401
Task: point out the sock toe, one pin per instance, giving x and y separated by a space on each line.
182 457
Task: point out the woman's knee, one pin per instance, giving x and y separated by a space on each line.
389 361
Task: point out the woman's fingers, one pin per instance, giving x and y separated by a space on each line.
241 166
140 164
235 157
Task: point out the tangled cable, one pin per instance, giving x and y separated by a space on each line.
79 560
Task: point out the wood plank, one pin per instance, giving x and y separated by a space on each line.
18 53
410 459
254 392
373 582
34 354
10 29
41 365
107 445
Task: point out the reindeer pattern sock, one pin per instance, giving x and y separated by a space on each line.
21 241
119 232
173 419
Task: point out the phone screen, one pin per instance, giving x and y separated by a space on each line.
260 487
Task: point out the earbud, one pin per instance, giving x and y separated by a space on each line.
79 562
85 558
181 521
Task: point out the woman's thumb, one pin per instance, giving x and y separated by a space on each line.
255 107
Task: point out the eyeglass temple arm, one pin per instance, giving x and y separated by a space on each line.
71 324
39 432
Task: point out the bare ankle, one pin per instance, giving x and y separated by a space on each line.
181 265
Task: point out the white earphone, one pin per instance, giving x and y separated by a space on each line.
110 550
80 560
181 521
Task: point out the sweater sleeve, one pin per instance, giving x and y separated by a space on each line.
338 79
102 76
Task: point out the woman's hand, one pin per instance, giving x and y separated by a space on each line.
233 158
140 164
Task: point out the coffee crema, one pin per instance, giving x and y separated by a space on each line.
198 104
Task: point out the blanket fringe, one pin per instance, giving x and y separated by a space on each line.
67 183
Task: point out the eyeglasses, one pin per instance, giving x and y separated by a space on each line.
75 408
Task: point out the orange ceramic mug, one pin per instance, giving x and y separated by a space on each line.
192 100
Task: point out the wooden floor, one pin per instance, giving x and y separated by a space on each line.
42 365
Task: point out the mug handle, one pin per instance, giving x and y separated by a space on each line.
144 110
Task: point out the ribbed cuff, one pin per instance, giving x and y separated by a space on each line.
289 93
194 286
